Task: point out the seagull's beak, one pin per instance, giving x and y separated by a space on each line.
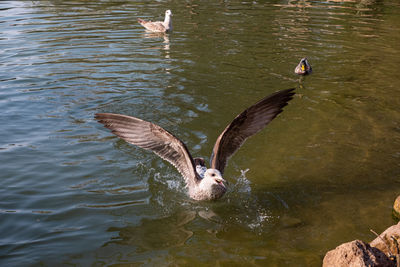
221 181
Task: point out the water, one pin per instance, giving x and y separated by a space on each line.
323 173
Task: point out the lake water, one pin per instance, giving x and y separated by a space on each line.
324 172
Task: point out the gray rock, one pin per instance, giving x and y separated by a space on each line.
356 254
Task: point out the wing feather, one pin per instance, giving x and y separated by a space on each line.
152 137
154 26
249 122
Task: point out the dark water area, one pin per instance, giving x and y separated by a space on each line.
324 172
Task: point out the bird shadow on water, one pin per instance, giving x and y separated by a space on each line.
181 219
157 37
159 233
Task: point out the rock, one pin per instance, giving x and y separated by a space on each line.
378 243
396 208
356 253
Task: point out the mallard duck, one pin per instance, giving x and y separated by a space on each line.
303 68
202 183
158 26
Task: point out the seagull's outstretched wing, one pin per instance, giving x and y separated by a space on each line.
152 137
246 124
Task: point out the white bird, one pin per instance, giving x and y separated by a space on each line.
202 183
158 26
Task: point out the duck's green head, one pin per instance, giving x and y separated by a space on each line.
303 68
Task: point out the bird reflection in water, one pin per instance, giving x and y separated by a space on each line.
159 35
155 233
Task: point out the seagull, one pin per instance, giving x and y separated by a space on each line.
303 68
158 26
203 183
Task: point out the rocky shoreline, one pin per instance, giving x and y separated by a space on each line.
383 251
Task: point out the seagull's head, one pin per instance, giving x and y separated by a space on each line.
168 13
213 183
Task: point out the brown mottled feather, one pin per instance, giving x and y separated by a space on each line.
156 26
246 124
152 137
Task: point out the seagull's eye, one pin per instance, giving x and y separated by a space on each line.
213 174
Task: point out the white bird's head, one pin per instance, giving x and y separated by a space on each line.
168 13
213 184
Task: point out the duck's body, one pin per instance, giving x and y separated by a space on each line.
303 68
158 26
203 183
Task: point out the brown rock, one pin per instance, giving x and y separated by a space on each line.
356 253
396 207
385 237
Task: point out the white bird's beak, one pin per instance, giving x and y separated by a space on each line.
220 181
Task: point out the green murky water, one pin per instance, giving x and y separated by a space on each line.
323 173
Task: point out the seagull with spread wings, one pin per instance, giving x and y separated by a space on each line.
202 183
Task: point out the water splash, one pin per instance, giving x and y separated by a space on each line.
262 216
242 183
